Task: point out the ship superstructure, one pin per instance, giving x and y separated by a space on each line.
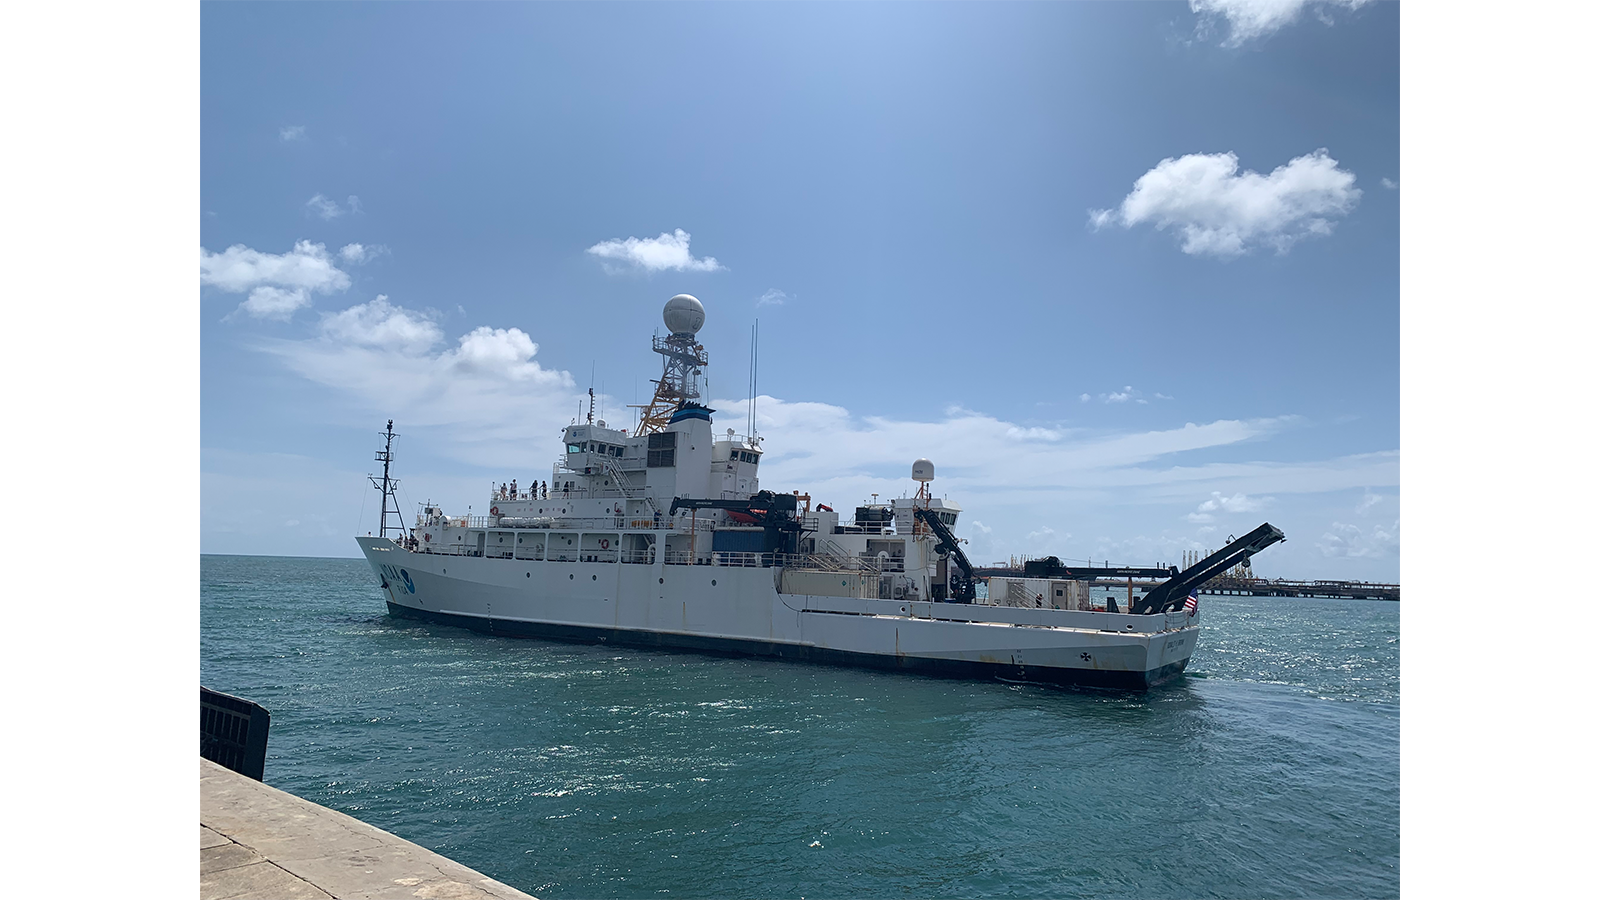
663 536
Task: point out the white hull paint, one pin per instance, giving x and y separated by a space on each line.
740 610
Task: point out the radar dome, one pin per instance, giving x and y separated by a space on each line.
921 470
683 314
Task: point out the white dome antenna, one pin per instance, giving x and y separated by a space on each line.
682 359
683 314
922 470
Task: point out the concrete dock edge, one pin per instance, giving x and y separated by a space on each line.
259 842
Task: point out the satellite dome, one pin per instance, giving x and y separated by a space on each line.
922 470
683 314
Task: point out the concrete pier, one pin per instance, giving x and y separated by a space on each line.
259 842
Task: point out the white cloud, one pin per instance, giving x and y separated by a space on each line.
1251 19
1368 501
379 324
357 254
827 446
1128 393
1238 503
267 302
1389 183
1352 541
668 251
773 297
329 209
1220 212
278 284
485 400
292 133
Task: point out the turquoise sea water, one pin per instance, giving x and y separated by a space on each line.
1270 770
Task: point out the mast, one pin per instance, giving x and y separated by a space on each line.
682 359
386 486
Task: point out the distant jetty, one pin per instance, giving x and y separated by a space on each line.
1242 586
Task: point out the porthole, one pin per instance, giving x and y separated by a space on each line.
661 581
594 577
527 574
713 582
570 577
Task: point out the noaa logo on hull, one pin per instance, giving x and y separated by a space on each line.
393 573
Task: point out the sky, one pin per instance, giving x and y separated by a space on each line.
1127 273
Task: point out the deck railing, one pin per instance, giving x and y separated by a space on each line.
721 558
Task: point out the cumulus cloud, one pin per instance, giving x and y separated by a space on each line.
1368 501
329 209
1352 541
1238 503
1389 183
267 302
667 251
278 284
1218 211
773 297
292 133
486 399
1248 20
357 254
380 324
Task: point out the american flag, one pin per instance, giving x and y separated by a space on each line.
1192 604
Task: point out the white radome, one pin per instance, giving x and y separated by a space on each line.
683 314
922 470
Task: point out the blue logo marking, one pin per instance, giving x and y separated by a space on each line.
406 576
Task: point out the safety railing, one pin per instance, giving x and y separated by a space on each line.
449 549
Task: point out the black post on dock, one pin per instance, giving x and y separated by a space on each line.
233 732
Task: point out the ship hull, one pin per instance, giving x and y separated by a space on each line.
733 611
745 647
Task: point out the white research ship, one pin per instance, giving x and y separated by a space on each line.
663 538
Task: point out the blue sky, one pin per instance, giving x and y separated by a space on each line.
1128 273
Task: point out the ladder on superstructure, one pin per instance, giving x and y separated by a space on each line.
625 486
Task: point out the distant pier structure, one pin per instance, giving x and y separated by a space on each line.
1279 587
1231 583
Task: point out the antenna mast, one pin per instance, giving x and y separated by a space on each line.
755 368
387 486
682 359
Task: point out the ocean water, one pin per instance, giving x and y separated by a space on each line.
1271 769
